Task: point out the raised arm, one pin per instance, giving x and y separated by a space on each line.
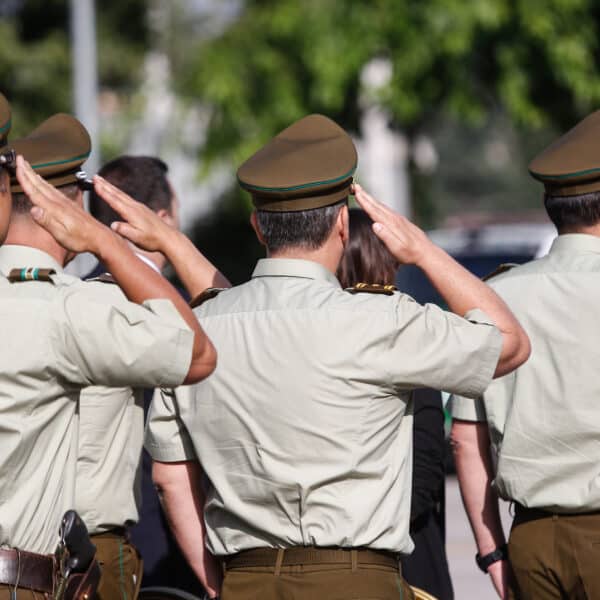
460 289
78 231
145 229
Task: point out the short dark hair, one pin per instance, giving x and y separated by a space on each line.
307 229
21 204
144 178
366 259
568 212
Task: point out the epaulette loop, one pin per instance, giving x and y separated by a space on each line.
103 278
207 294
372 288
499 270
31 274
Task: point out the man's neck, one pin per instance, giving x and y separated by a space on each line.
24 232
324 256
591 230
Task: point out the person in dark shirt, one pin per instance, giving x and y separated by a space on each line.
366 260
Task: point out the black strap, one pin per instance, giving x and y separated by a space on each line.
484 562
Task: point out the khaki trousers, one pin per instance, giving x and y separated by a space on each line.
555 556
311 582
121 567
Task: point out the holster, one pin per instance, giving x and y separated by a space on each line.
83 586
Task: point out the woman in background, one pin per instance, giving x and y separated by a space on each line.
366 260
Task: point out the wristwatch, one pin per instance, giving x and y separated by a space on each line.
484 562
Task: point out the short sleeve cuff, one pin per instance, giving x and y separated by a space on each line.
488 357
466 409
181 346
167 438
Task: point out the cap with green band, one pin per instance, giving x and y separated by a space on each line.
571 165
56 150
308 165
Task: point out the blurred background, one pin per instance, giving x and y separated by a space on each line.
447 101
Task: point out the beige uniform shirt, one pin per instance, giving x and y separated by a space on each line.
111 436
58 338
305 428
544 418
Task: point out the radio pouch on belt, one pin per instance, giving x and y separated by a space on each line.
79 572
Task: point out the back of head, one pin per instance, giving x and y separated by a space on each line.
299 181
366 259
56 150
570 170
144 178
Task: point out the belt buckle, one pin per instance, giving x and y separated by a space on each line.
62 559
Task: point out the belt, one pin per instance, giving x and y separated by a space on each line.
310 555
524 512
112 533
27 570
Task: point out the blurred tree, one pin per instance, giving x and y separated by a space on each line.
532 60
35 64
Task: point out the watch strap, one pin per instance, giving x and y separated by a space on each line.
484 562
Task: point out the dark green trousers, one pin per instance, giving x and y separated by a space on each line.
555 557
311 582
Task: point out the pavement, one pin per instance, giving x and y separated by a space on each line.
468 581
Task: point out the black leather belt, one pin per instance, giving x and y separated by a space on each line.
27 570
531 514
308 555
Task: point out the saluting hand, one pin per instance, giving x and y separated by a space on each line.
66 221
141 225
407 242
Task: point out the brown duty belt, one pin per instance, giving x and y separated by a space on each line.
307 555
27 570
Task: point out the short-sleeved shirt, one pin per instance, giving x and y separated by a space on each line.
59 337
304 429
544 418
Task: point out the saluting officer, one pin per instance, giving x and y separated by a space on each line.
542 420
304 430
62 335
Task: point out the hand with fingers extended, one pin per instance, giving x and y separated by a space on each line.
64 219
140 224
407 242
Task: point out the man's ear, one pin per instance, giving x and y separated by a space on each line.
167 216
343 224
257 231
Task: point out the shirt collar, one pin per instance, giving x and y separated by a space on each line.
146 260
576 242
294 267
20 257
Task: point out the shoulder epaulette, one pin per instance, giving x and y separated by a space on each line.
499 270
103 278
31 274
207 294
372 288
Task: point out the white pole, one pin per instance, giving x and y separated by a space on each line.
85 73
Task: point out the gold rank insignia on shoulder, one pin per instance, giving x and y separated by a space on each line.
499 270
372 288
31 274
207 294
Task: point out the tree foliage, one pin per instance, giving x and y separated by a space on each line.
536 60
35 59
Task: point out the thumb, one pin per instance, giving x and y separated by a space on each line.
392 243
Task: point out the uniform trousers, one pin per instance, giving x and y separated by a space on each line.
310 581
21 594
555 556
121 566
